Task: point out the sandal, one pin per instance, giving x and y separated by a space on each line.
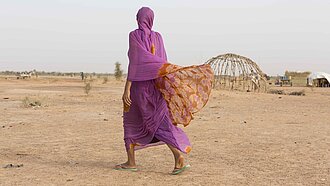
123 168
179 170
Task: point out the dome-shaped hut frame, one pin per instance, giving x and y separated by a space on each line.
235 72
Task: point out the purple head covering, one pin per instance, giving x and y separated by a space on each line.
145 19
144 63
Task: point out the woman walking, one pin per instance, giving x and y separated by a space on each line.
159 95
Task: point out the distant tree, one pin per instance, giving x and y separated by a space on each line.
118 71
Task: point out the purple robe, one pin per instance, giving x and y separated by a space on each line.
148 121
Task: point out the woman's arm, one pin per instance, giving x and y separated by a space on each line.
126 96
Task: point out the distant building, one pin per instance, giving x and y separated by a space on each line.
319 79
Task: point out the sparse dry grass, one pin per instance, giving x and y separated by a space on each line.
275 91
87 87
31 102
282 92
297 93
105 80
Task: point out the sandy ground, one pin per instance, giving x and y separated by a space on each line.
238 138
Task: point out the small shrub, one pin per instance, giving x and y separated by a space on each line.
275 91
28 102
87 87
297 93
105 80
281 92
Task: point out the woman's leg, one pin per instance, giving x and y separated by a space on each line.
131 157
178 158
130 160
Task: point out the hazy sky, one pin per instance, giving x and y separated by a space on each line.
91 35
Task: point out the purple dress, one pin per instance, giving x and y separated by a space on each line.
148 122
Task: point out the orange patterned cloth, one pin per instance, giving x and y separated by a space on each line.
185 89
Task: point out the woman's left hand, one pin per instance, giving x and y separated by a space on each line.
126 99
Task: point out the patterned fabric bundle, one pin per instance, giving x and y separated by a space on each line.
185 89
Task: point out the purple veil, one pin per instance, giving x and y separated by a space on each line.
146 49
